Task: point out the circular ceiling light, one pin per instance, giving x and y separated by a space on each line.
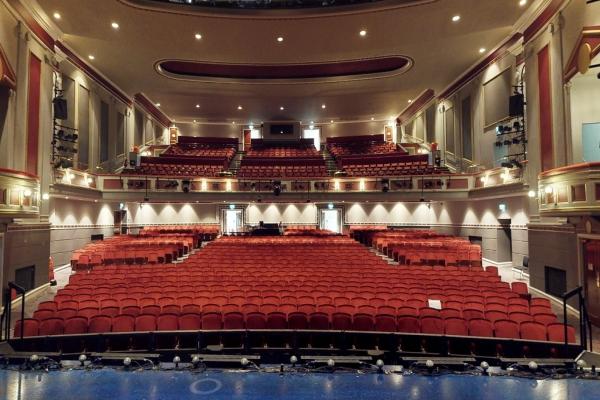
482 50
522 2
115 25
57 15
197 105
282 108
456 18
280 39
240 108
363 33
198 36
91 57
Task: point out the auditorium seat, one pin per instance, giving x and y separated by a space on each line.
41 315
545 318
408 324
51 326
167 322
318 321
76 326
432 325
520 317
507 329
455 326
556 333
341 321
233 320
29 327
533 331
480 327
66 313
256 320
385 323
123 323
100 324
212 321
297 320
190 322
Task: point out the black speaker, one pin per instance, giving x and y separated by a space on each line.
185 186
60 108
516 105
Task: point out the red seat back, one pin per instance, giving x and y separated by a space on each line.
76 325
481 327
506 329
100 324
190 322
455 326
233 320
51 326
29 326
167 322
533 331
123 323
212 321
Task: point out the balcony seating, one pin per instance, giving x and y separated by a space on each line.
203 147
361 145
265 168
178 166
317 283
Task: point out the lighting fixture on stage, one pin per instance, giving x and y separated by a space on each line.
485 366
293 360
195 361
127 361
244 361
185 186
429 364
581 364
330 363
532 365
176 361
82 359
379 363
34 358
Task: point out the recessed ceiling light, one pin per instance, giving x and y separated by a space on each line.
195 121
282 108
280 39
456 18
197 105
91 57
331 121
323 106
157 104
233 122
115 25
363 32
409 101
240 108
482 50
198 36
312 122
522 2
372 118
57 15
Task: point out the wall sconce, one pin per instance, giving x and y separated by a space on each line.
204 185
362 185
45 196
336 184
27 192
228 185
548 190
532 194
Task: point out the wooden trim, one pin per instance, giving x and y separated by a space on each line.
542 20
482 65
8 77
105 83
33 25
589 35
417 105
569 168
147 105
26 175
545 109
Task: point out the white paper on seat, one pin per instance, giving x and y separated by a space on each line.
437 304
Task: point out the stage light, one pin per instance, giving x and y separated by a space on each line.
330 363
379 363
82 359
176 361
34 358
532 365
429 363
195 361
484 365
581 364
127 361
244 361
502 207
293 360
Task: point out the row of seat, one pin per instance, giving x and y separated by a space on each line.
295 321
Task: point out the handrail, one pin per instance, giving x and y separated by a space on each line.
8 308
585 326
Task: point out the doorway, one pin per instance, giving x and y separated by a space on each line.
232 221
331 220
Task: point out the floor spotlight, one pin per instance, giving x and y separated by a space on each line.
176 361
293 360
379 363
127 362
82 359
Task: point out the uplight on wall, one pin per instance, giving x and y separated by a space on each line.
27 192
336 184
204 185
228 185
330 206
45 196
362 185
502 207
484 180
548 190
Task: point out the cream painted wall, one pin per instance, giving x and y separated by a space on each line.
585 108
8 41
191 213
226 131
288 214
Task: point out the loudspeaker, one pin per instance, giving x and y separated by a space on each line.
60 108
516 105
185 186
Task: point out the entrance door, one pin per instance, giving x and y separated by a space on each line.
591 278
331 220
232 221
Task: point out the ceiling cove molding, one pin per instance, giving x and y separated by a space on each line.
417 105
146 104
553 7
286 74
32 23
92 73
472 73
590 35
8 78
254 14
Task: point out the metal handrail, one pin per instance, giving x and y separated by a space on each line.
585 326
6 316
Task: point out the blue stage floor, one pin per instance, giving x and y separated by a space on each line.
110 384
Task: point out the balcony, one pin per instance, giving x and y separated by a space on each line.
495 182
570 190
19 194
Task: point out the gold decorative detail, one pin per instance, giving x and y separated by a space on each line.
584 58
